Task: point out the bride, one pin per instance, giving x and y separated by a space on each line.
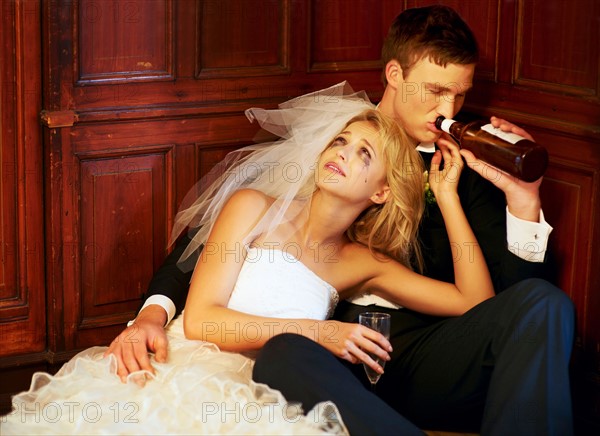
329 211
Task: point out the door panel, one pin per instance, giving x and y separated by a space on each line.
22 292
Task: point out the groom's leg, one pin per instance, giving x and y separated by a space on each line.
509 355
306 372
529 391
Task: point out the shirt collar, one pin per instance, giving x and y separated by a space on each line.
427 147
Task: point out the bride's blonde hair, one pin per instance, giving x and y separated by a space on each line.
392 227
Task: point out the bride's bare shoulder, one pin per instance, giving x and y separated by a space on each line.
241 212
250 198
246 204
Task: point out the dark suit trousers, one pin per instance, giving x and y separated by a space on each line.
501 368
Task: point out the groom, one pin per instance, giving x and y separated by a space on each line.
502 368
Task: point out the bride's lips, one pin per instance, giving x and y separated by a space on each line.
333 167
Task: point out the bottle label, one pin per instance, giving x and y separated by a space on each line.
446 125
513 138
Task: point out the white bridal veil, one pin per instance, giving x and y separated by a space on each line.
283 169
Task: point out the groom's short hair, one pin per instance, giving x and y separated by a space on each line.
435 32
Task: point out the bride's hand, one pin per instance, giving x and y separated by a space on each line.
351 342
445 181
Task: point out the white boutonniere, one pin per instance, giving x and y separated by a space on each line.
429 197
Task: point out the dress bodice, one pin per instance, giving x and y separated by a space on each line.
273 283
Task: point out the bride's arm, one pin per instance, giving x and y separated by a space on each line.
471 274
207 317
472 279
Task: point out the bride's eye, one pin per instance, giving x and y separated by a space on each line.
339 141
365 155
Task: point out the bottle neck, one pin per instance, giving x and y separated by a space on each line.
445 125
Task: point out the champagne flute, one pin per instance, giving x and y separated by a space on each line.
380 322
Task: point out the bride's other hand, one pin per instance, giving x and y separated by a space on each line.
445 181
352 342
145 335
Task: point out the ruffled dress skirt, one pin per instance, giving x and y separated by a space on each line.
201 390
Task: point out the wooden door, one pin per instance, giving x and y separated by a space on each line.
22 292
22 248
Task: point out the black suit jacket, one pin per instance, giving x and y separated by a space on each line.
485 208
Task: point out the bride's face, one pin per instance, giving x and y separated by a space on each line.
353 164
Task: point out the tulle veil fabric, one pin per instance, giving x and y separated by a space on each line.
283 169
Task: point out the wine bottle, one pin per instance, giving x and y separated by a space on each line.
509 152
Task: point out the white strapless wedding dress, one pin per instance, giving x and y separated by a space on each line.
201 390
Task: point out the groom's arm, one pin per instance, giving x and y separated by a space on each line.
165 297
170 284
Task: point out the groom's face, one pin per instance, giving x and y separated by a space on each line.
427 91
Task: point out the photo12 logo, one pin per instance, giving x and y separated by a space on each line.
74 411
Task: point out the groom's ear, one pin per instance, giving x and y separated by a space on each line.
393 73
382 195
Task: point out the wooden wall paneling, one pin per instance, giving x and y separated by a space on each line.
57 55
115 231
485 21
103 232
127 136
570 198
238 39
57 251
123 40
226 88
548 70
567 195
22 296
8 158
185 38
507 35
65 238
186 174
570 34
347 35
204 82
123 211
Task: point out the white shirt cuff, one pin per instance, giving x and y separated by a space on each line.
368 299
526 239
162 301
